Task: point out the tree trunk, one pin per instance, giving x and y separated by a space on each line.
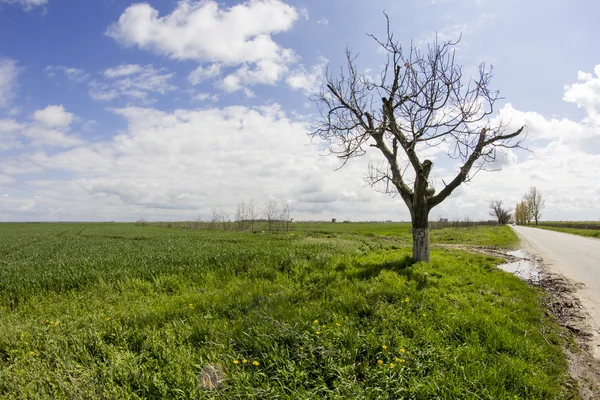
420 233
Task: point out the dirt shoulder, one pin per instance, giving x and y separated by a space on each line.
563 304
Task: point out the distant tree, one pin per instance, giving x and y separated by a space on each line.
285 212
522 213
270 213
502 214
241 219
420 100
535 204
252 213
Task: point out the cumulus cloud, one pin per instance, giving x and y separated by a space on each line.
48 127
222 37
131 80
201 31
307 80
8 76
586 92
201 73
266 72
53 117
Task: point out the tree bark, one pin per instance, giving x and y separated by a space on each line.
420 233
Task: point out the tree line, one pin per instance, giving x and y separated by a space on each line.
249 216
528 209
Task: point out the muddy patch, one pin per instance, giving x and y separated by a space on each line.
525 267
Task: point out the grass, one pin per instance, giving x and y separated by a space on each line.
124 311
593 233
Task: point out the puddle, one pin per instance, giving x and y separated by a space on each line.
525 268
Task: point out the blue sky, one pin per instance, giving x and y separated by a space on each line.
114 110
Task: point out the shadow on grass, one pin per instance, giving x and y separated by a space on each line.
370 270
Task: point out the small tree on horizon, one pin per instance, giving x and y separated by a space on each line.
535 204
420 100
502 214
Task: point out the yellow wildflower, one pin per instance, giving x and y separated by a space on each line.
316 321
270 294
402 350
318 332
384 347
236 362
407 299
244 361
255 363
191 306
108 318
400 360
337 325
324 326
397 359
392 365
380 362
32 353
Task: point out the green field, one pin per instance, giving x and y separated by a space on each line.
118 311
587 229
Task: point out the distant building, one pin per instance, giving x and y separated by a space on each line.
333 220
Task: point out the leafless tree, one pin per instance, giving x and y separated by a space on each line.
285 215
270 212
220 219
252 213
535 204
420 100
240 216
502 214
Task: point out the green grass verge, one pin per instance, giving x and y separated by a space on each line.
593 233
124 311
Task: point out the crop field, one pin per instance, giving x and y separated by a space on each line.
124 311
581 228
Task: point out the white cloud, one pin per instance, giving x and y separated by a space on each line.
26 4
323 21
202 73
224 37
123 70
9 130
73 74
266 72
201 31
205 96
586 92
8 76
307 80
132 81
48 127
53 117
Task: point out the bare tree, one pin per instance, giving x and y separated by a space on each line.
535 203
240 216
420 100
252 213
502 214
284 215
270 212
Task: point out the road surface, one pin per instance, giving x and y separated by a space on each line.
574 257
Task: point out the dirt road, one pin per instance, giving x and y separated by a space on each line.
576 258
